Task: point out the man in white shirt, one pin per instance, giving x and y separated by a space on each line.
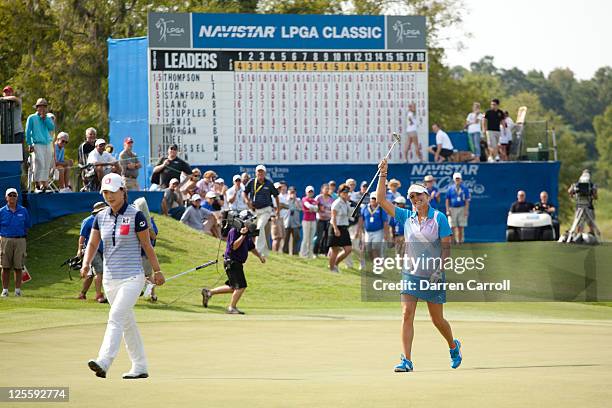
443 148
102 160
278 226
234 195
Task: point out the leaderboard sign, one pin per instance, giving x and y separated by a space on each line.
286 89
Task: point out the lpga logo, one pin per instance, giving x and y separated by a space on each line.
403 30
166 30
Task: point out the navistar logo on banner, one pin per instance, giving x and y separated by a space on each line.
294 31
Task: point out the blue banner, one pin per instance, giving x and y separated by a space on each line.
268 31
493 186
47 207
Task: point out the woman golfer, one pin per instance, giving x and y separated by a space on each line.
123 230
427 235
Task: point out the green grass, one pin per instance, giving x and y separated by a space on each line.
603 213
285 287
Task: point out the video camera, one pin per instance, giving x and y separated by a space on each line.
583 193
74 264
234 219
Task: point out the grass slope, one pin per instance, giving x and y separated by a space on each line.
285 287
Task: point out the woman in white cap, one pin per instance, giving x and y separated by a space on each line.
427 235
124 231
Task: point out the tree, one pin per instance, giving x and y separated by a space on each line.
603 130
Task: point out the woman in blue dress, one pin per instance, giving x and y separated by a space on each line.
427 237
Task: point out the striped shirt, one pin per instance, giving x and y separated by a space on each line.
121 245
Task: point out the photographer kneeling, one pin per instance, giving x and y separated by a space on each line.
239 243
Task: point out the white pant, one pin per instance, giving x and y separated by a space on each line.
122 295
309 229
263 216
43 161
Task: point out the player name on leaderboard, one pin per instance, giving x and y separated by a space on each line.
283 105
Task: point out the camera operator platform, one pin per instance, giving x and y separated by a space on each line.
584 193
239 243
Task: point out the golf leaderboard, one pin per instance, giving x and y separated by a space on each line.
292 89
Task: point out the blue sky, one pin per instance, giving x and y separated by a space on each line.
536 34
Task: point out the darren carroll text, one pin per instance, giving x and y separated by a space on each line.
472 285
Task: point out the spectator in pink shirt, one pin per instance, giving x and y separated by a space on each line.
309 222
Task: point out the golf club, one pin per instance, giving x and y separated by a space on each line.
150 286
396 139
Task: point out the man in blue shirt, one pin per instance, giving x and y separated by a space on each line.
434 193
458 207
374 221
14 224
97 266
258 195
239 243
39 140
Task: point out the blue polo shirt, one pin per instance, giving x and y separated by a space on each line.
433 192
374 220
14 224
458 197
86 227
261 194
398 227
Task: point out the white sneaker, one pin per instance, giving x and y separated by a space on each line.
496 158
5 293
234 310
490 159
17 292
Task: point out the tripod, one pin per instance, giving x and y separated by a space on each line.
583 215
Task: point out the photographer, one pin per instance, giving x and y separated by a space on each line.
239 243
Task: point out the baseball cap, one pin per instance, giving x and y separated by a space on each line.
417 188
211 194
456 176
128 140
195 197
349 181
7 88
99 206
111 182
428 177
63 135
219 180
172 181
260 167
236 177
364 183
41 102
373 195
309 188
173 147
399 200
292 188
10 190
100 141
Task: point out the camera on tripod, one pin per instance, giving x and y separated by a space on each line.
234 219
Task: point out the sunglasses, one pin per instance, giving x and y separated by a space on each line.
173 148
12 195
